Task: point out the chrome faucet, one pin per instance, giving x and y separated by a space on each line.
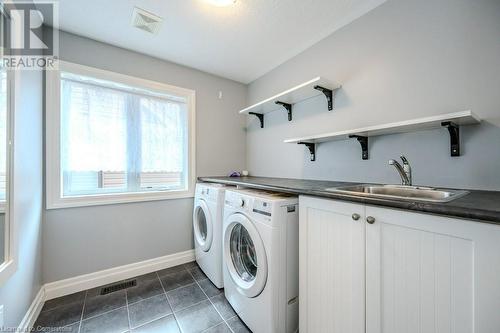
404 171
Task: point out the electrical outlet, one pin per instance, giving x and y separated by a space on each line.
1 316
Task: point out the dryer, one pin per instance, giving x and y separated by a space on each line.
261 259
207 227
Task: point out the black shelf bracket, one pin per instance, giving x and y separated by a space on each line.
363 140
329 96
260 116
312 149
288 108
454 131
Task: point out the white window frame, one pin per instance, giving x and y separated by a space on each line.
9 265
54 197
10 96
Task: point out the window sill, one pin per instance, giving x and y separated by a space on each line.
111 199
7 269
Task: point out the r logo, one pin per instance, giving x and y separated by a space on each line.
27 28
31 19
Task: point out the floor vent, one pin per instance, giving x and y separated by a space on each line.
118 286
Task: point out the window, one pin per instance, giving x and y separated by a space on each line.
3 137
8 245
113 138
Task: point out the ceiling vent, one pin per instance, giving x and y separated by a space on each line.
146 21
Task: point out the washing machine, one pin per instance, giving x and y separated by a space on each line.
207 225
261 259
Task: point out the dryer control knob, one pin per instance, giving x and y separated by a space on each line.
241 202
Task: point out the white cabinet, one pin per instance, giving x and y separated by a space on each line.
332 266
431 274
417 272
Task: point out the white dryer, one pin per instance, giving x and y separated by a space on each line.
261 259
207 225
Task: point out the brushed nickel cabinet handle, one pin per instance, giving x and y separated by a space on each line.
355 217
370 219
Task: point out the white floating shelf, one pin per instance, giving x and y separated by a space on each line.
456 118
459 118
291 96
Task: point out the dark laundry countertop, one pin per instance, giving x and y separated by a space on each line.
483 206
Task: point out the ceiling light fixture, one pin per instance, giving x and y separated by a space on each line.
221 3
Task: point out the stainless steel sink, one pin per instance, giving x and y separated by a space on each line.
413 193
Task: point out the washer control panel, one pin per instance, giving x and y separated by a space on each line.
261 207
248 204
209 193
259 202
238 201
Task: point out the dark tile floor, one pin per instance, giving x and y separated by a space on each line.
177 299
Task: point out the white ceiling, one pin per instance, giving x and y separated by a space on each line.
240 42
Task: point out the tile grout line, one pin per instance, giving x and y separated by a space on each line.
57 307
83 310
187 307
106 312
172 273
239 319
166 296
128 311
151 321
205 330
147 298
224 320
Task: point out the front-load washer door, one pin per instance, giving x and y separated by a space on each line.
203 226
245 255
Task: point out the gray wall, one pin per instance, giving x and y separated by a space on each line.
19 291
83 240
405 59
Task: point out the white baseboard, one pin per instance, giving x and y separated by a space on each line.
33 311
96 279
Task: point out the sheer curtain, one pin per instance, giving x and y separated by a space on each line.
116 139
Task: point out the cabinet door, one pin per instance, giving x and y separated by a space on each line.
332 266
430 274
